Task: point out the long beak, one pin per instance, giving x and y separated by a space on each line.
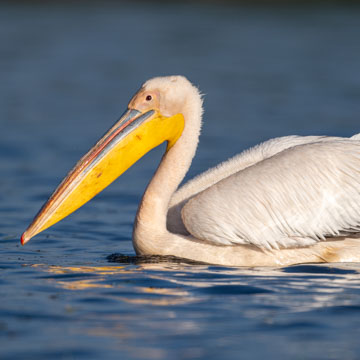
125 143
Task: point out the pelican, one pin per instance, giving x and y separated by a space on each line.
286 201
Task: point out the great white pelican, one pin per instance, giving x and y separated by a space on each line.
288 200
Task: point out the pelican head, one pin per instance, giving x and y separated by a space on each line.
154 115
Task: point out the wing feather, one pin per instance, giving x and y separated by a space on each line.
227 168
294 198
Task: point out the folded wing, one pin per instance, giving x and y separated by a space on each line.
294 198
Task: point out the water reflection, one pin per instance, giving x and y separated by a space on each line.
71 274
296 289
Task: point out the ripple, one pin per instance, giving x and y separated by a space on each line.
233 290
32 315
69 276
318 269
61 353
149 259
352 310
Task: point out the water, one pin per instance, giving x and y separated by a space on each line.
66 73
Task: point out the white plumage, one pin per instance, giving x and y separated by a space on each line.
288 200
296 197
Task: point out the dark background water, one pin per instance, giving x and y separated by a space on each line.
66 73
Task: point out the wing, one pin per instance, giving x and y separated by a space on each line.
227 168
295 198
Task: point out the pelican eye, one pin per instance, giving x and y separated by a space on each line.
148 98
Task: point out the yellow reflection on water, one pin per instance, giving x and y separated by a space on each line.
100 270
159 302
142 294
82 284
161 291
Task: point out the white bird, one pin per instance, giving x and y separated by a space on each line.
288 200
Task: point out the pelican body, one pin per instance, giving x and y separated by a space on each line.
286 201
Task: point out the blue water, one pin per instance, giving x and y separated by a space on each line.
66 74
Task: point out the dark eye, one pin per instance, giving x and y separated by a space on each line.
149 98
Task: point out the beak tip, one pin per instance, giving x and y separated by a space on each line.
23 239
